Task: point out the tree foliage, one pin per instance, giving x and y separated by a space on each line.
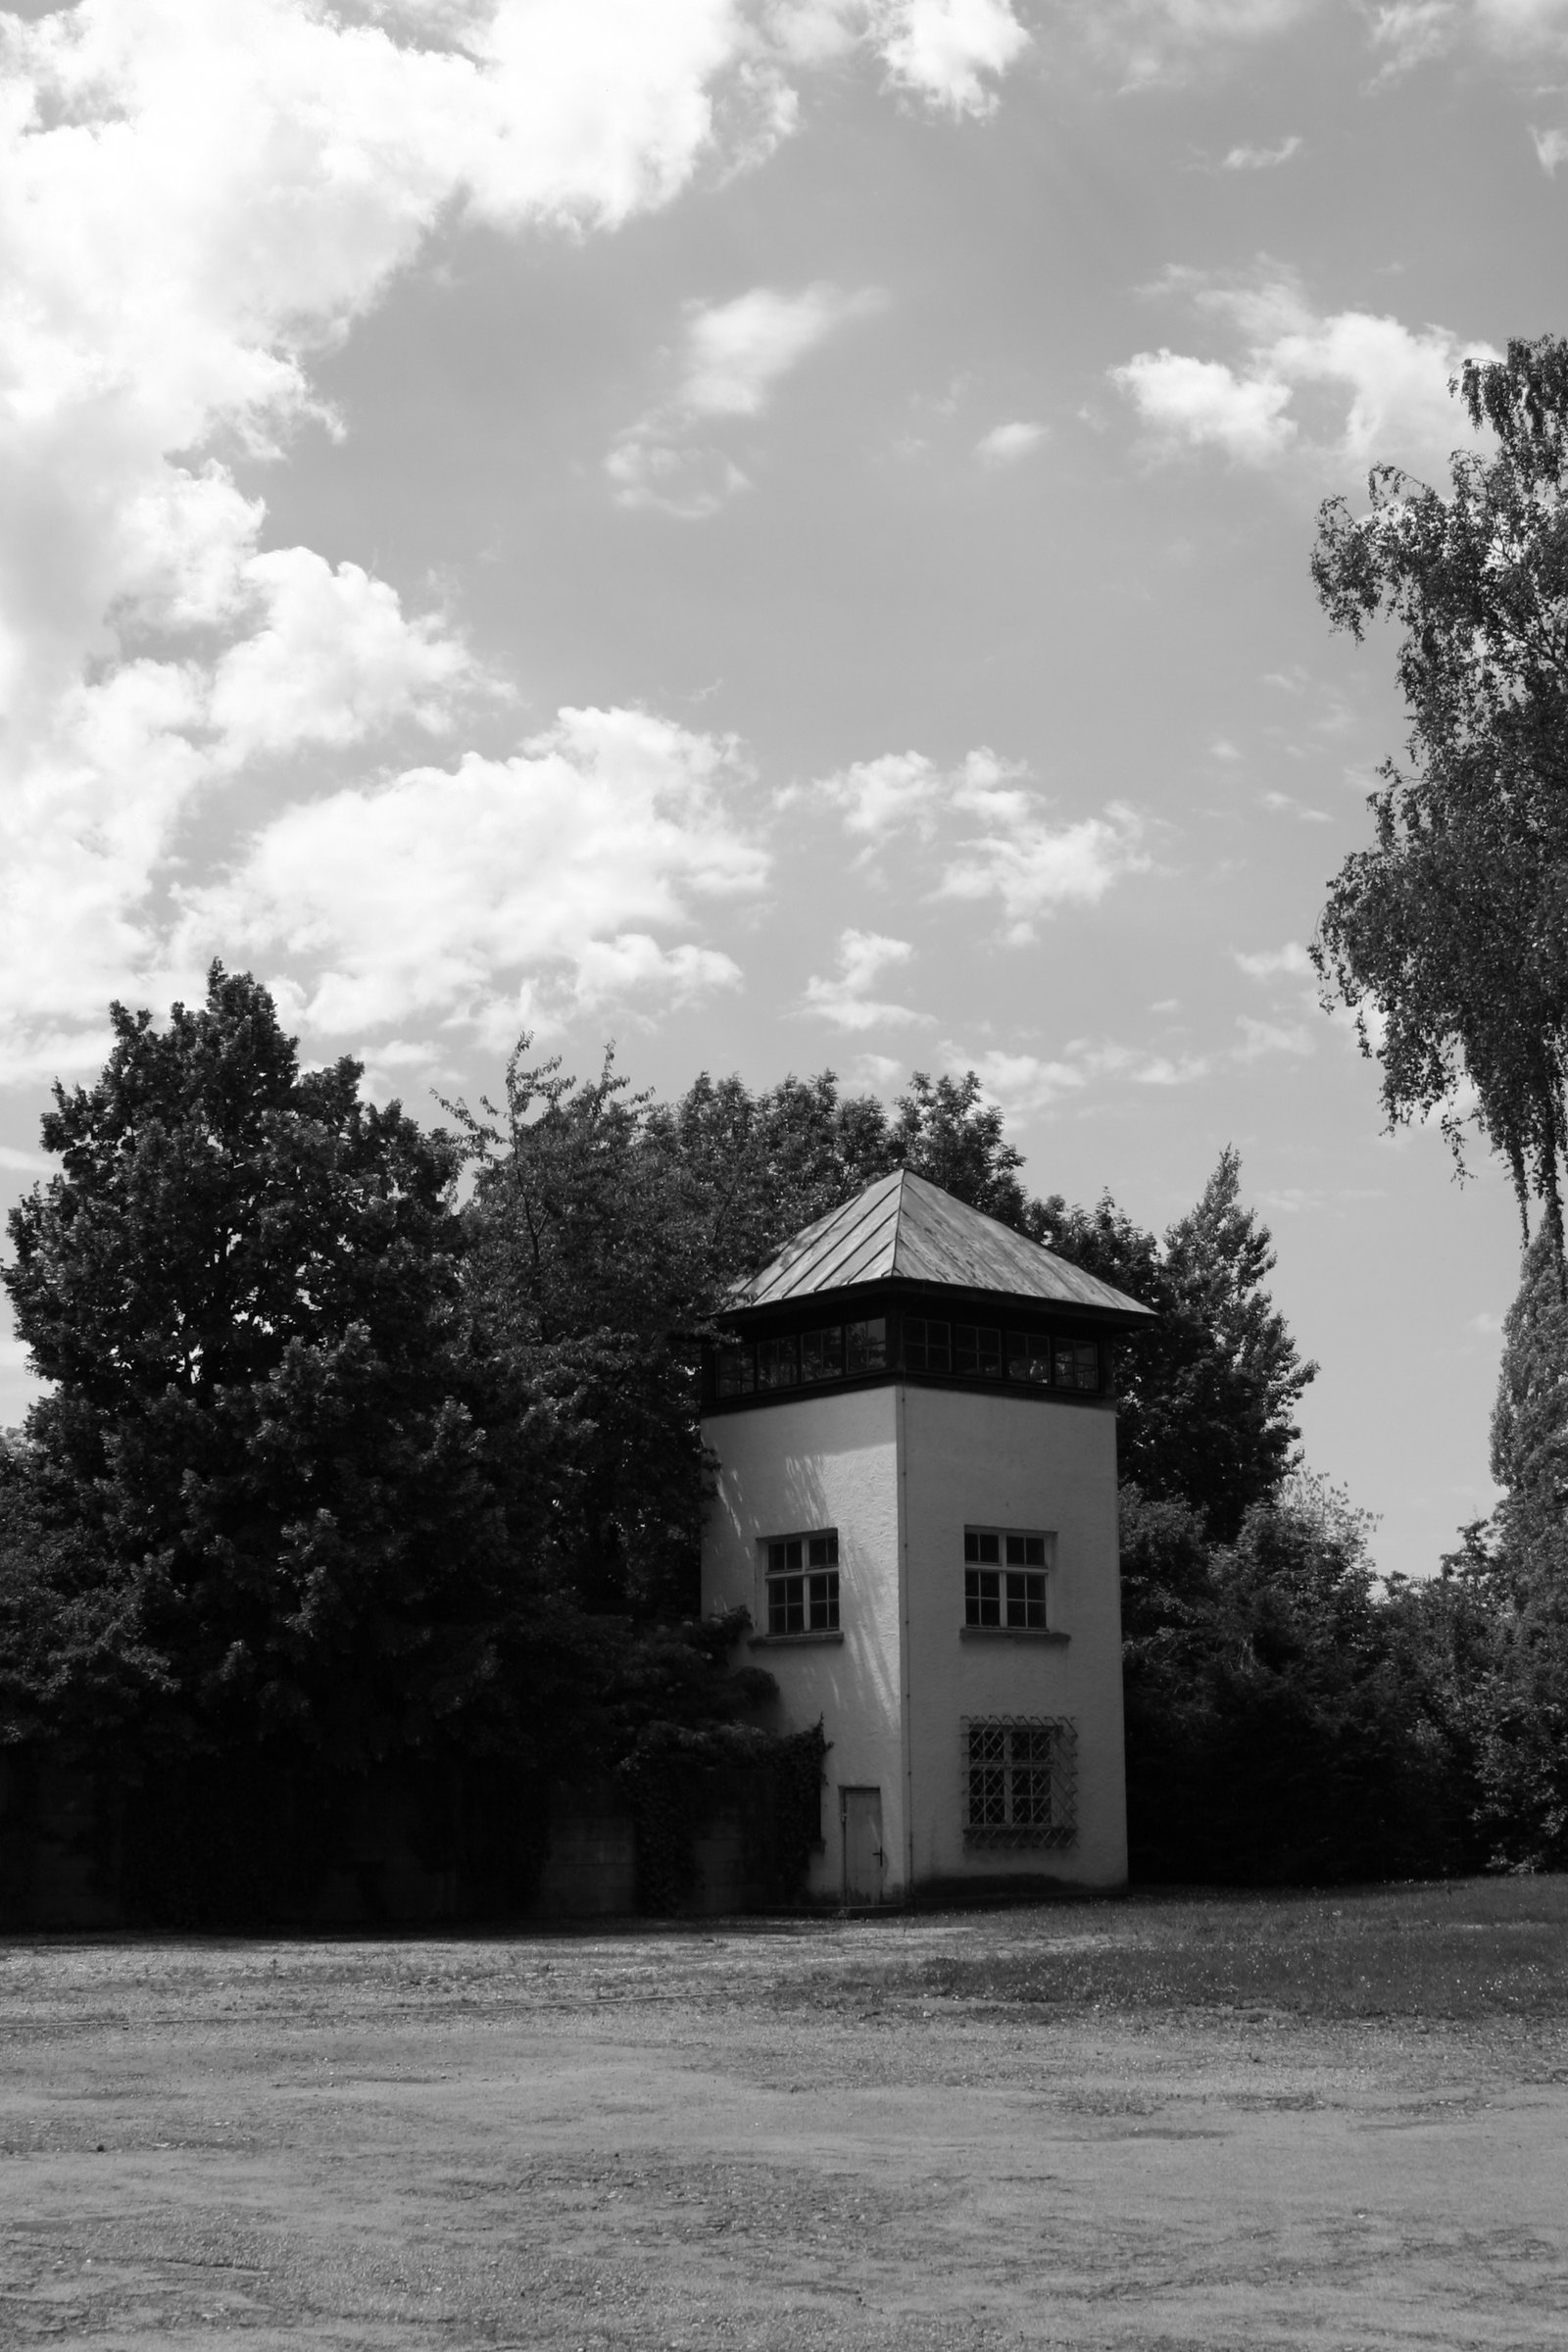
1208 1397
243 1284
1449 935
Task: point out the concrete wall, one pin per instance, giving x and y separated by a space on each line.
899 1472
1026 1463
784 1469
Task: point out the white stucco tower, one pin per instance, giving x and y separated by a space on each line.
917 1503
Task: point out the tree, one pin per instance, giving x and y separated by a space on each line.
1449 937
1209 1396
242 1285
944 1131
1530 1424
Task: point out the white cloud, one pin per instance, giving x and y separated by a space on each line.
1260 158
942 51
734 354
333 659
737 350
1004 444
1552 149
1021 858
1407 32
879 798
1259 1038
502 889
846 1000
1522 28
1158 40
1025 1084
199 198
1292 962
1203 404
1384 385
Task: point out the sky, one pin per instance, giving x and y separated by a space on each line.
775 533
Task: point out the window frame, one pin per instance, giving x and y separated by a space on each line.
1006 1749
778 1573
1034 1565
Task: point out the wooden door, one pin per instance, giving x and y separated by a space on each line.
861 1812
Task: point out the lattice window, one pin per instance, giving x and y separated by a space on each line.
1019 1780
803 1583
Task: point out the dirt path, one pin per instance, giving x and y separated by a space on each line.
714 2139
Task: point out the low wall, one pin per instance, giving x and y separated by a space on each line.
59 1867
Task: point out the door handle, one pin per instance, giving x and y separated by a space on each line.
878 1855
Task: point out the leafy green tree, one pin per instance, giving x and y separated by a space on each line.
1209 1397
243 1286
75 1663
1449 937
944 1130
1530 1424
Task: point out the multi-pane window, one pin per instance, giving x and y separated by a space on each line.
927 1344
931 1345
865 1344
778 1363
833 1351
1076 1364
977 1352
1019 1779
1005 1578
803 1583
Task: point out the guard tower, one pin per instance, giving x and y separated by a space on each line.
917 1445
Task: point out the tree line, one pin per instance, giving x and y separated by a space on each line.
373 1450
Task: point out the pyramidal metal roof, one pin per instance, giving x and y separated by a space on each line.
907 1228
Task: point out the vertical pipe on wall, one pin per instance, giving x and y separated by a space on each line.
905 1729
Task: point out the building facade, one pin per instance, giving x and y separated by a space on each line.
916 1505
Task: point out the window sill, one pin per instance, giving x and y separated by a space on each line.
1014 1633
791 1641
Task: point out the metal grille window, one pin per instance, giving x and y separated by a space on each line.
1019 1780
803 1583
1005 1578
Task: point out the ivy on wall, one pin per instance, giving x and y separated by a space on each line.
680 1781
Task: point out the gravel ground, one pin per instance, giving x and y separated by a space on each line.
757 2134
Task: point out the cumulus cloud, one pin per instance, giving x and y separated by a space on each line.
199 199
500 890
1157 40
1260 158
1407 33
733 357
1019 858
1385 385
880 797
845 998
1259 1038
1290 962
1004 444
1552 149
949 52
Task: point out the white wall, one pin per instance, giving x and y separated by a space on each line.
1027 1463
786 1468
976 1458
